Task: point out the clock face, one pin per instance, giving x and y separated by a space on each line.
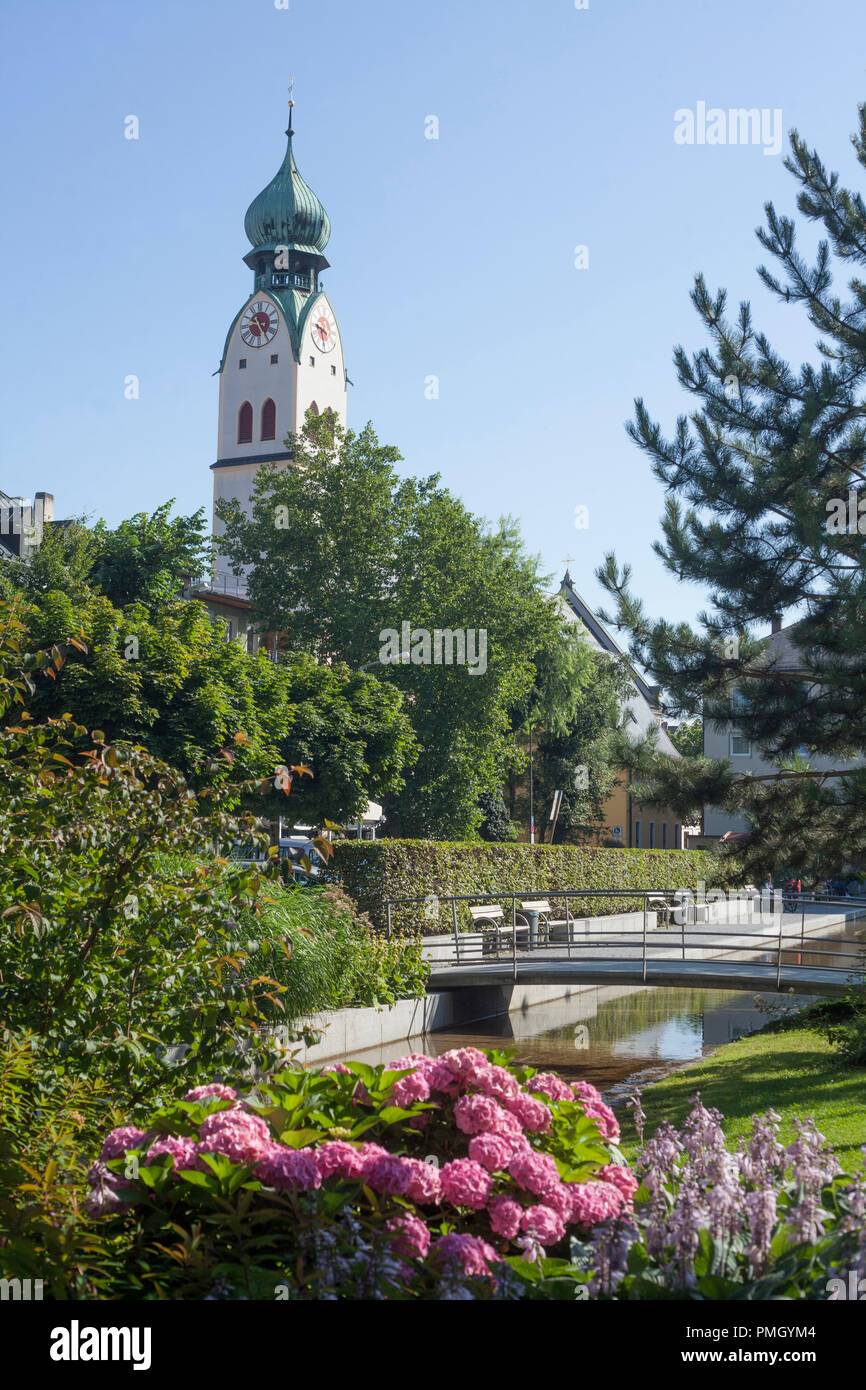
259 323
324 329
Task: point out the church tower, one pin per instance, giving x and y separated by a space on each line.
283 352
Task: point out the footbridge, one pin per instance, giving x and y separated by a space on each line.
742 941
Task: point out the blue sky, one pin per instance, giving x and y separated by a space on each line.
451 257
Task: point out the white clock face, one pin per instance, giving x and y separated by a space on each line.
259 323
324 328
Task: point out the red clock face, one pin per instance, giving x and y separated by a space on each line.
324 330
259 324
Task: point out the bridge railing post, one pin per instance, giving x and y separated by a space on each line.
456 932
514 933
802 931
684 912
779 964
644 938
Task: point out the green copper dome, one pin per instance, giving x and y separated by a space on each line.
287 212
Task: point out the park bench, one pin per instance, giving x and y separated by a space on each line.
491 919
664 910
544 910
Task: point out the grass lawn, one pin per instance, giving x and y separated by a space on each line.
795 1073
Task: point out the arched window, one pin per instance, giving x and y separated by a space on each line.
269 420
245 424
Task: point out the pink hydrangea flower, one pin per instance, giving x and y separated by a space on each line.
414 1059
492 1151
390 1174
593 1202
534 1172
559 1199
473 1254
441 1078
532 1114
622 1178
120 1141
412 1239
370 1155
425 1182
285 1168
584 1090
496 1082
338 1159
465 1184
410 1088
546 1084
241 1136
543 1224
339 1067
478 1114
504 1215
182 1151
604 1117
215 1091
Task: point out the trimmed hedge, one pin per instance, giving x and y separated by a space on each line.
372 871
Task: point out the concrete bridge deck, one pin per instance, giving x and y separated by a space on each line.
542 969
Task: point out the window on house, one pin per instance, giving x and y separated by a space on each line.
652 843
740 747
275 357
664 834
636 834
242 362
269 420
245 424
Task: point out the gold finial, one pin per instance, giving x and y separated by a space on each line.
291 103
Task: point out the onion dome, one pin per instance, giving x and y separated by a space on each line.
287 212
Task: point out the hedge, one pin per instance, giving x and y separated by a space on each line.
373 871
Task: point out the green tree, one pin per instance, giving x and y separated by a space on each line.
160 673
113 949
764 478
343 552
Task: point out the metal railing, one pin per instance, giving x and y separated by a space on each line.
570 937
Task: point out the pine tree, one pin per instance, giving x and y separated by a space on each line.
767 511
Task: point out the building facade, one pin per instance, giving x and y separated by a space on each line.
283 356
626 820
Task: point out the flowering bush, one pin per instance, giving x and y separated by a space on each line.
764 1221
445 1177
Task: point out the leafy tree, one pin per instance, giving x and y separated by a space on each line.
688 737
112 949
148 558
173 684
342 551
496 825
767 482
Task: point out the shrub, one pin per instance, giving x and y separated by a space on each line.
762 1222
335 958
373 871
433 1178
